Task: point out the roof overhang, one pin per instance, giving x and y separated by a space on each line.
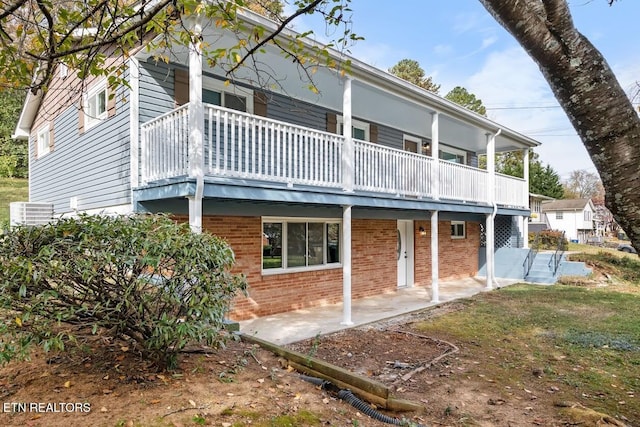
27 115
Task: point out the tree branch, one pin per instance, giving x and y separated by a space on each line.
250 52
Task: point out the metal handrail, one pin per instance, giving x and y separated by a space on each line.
531 255
555 259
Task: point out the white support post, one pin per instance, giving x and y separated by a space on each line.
490 249
525 232
435 266
490 219
435 153
196 129
348 151
346 266
525 168
134 126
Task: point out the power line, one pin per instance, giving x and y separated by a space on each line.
523 108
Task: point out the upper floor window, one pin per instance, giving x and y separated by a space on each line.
95 105
359 129
217 93
43 141
454 155
587 215
458 230
559 215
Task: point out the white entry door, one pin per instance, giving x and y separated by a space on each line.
404 253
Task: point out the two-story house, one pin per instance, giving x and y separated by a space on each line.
315 214
573 216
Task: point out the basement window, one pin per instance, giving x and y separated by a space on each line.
299 245
458 230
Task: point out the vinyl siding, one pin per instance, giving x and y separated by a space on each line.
156 91
92 166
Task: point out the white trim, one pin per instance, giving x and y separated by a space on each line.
92 96
109 210
464 230
43 141
209 83
358 124
407 230
411 138
283 241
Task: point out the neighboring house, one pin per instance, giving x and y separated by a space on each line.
314 216
538 220
573 216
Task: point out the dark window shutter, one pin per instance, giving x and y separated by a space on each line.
50 136
181 86
111 104
332 123
81 115
373 133
259 104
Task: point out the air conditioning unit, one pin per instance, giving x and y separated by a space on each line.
30 213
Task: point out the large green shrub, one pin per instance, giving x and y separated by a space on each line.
141 277
549 240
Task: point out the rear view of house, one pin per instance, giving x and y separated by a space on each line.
370 185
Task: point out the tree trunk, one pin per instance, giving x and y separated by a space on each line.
589 93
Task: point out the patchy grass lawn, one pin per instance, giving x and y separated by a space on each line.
580 343
11 190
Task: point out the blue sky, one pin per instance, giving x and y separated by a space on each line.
458 43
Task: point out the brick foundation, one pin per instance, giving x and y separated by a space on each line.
374 264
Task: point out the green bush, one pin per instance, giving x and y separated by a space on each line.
144 278
548 240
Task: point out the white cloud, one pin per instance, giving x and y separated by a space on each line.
443 49
509 79
488 41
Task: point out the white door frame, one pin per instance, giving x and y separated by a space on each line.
406 256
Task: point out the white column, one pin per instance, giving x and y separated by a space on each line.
525 220
134 125
435 269
348 149
435 153
489 222
196 129
346 265
490 248
525 168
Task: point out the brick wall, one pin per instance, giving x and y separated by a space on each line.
458 258
374 264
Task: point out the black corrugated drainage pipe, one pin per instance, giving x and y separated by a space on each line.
357 403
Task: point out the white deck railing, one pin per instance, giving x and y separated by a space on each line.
461 182
241 145
388 170
511 191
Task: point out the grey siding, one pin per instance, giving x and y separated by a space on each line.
156 90
93 166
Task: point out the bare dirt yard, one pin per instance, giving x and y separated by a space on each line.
460 382
244 385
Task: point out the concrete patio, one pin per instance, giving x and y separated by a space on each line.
285 328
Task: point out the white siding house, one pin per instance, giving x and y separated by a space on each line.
574 216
